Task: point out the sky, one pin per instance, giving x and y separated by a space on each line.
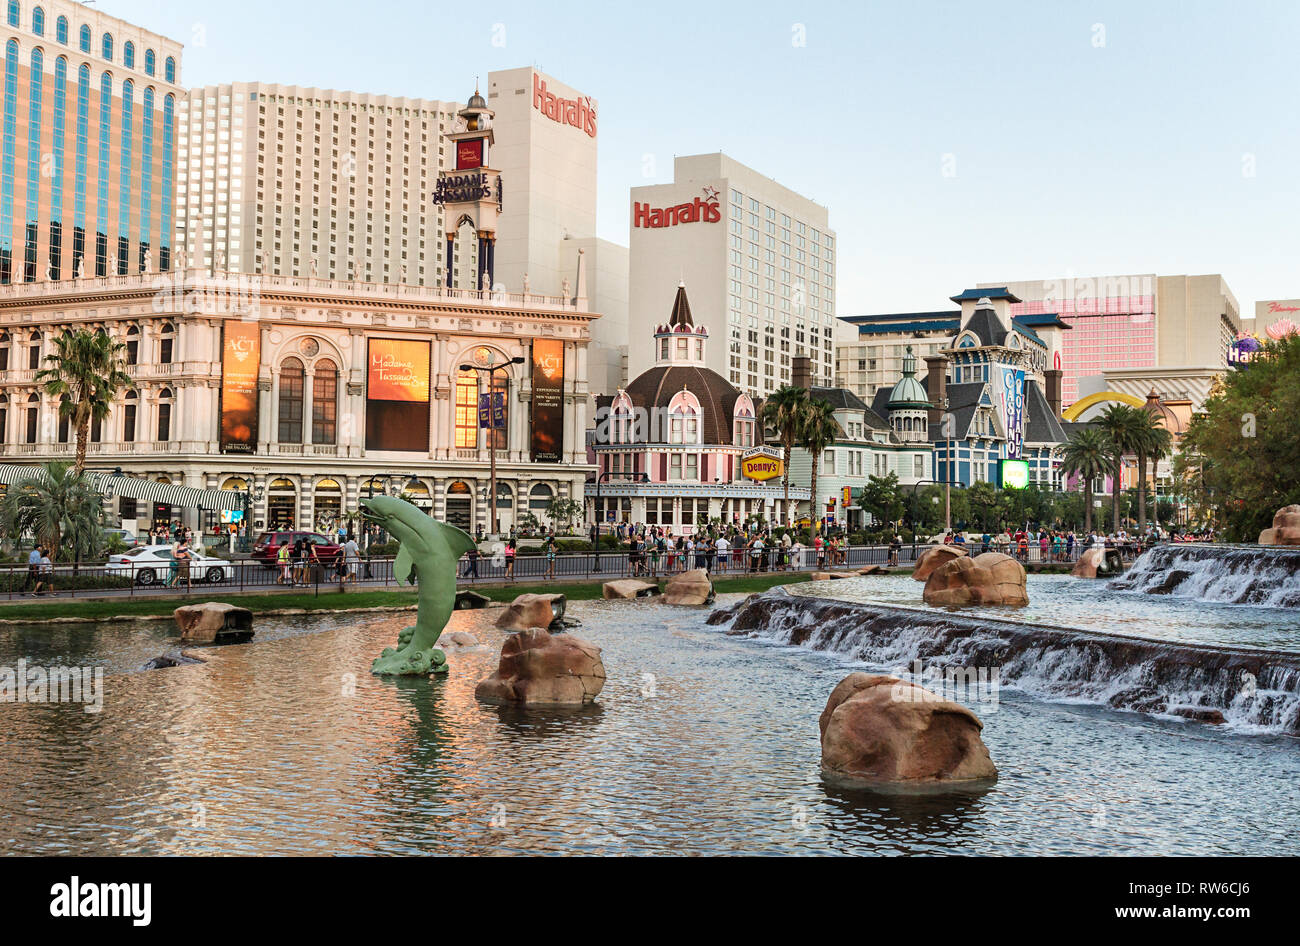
953 143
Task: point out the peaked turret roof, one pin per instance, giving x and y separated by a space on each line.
681 308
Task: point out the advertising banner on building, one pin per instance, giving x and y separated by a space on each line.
241 344
397 394
469 154
1011 402
547 443
761 463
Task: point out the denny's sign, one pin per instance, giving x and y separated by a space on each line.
761 464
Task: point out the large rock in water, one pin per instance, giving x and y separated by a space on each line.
933 557
991 578
532 611
692 587
538 668
628 588
879 731
1092 562
1286 528
213 622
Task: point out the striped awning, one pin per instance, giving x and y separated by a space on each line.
142 489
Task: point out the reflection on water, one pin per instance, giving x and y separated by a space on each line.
701 743
1092 605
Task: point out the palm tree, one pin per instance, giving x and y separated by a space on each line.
87 367
818 428
782 412
1088 454
1123 428
1153 443
59 506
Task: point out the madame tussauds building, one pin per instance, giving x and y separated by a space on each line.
304 395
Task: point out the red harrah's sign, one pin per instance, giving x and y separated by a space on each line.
700 211
576 112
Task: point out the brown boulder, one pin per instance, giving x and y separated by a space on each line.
877 730
691 587
991 578
628 588
1089 561
869 569
1286 528
212 622
540 668
531 611
933 557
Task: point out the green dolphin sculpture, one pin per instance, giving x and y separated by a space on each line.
428 550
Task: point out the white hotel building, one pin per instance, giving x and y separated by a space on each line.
758 259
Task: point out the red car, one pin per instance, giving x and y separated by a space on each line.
267 548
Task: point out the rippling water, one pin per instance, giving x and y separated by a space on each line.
1092 605
701 743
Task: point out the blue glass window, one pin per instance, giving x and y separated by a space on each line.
128 55
14 13
38 21
61 30
107 46
79 187
169 69
146 175
124 178
36 80
105 158
148 62
7 158
165 195
56 181
85 38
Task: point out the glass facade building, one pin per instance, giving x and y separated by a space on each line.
81 171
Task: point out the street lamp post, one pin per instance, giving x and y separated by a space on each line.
491 371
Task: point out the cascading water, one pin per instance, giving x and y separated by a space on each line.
1252 690
1267 576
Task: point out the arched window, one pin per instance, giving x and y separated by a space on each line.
61 30
684 418
15 14
165 415
539 497
106 46
5 342
235 483
324 401
622 419
84 36
467 409
34 352
291 382
38 21
33 410
132 345
166 343
4 418
169 69
129 410
148 62
65 418
505 496
128 55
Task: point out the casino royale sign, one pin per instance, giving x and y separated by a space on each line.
464 188
761 463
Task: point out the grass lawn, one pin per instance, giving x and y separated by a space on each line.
108 608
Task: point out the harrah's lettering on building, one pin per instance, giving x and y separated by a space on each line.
698 211
576 112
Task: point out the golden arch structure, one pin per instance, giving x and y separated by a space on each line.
1079 407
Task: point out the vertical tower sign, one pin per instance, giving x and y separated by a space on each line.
547 444
240 356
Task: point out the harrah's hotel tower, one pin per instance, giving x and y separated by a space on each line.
87 163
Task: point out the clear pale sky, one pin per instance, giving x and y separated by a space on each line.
952 142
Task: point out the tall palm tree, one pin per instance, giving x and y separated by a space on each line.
818 429
1088 454
87 367
782 412
59 506
1153 443
1123 427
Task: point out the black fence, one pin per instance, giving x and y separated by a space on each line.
122 576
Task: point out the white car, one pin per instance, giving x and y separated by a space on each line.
151 564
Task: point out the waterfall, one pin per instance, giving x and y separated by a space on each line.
1267 576
1250 690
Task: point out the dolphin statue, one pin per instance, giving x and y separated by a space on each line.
428 550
